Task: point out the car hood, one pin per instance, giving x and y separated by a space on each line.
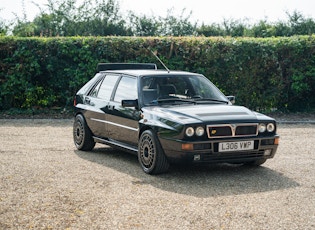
206 113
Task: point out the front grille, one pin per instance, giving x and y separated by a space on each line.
202 146
232 130
233 157
219 131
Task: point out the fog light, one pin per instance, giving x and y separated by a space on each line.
267 152
196 157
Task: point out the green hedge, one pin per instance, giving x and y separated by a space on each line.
263 74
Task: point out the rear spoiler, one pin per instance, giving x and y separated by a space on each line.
124 66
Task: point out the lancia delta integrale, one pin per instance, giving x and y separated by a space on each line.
169 117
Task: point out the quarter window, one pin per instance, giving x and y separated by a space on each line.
107 87
94 90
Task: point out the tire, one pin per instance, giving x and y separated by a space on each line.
151 155
82 135
256 162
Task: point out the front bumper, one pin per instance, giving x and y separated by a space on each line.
208 151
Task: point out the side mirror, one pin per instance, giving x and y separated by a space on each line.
231 99
129 103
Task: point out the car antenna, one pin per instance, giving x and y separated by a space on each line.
160 60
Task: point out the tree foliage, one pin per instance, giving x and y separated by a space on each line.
68 18
3 27
104 17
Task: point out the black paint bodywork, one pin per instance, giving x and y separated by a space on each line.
121 124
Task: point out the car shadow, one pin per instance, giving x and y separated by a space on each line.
208 180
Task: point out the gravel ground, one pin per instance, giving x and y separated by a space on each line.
45 183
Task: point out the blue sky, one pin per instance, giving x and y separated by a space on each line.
202 10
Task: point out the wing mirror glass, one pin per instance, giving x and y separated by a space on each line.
231 99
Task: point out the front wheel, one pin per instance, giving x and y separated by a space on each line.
151 155
82 135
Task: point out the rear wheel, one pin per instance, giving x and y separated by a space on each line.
82 135
151 155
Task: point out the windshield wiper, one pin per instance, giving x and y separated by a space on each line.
193 101
210 100
175 100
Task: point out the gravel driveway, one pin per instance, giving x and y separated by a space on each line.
45 183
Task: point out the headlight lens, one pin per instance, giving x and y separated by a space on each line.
262 128
270 127
200 131
190 131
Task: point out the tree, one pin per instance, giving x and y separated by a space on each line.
282 29
24 29
172 25
67 18
3 27
262 29
103 18
143 25
234 28
210 30
300 25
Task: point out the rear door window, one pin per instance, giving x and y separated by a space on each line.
106 89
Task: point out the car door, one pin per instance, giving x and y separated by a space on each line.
97 100
123 121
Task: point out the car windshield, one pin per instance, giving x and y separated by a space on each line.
179 89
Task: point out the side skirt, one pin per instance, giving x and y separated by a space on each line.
117 144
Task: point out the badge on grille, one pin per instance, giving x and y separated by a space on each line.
233 127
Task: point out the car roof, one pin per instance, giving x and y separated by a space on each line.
140 73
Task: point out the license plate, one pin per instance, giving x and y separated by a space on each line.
236 146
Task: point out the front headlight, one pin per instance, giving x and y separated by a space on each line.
270 127
262 127
200 131
190 131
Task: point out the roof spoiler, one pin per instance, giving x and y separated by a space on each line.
123 66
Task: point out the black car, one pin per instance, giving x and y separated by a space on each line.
169 117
